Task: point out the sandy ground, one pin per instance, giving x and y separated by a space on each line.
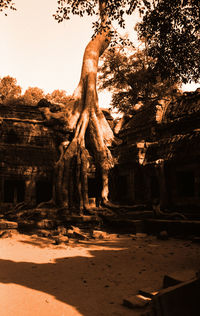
89 278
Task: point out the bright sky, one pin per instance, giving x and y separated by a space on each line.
39 52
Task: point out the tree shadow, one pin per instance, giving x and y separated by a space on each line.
96 281
87 283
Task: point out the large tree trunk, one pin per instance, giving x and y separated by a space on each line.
85 119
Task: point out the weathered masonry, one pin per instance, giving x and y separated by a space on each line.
29 149
27 156
159 158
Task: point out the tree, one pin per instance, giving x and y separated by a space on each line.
57 96
82 118
33 95
171 31
9 90
132 78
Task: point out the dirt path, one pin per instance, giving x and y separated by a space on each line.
86 278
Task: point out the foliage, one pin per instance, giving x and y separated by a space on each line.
9 89
57 96
6 4
132 80
170 29
33 95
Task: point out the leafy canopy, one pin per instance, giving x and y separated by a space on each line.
132 80
9 89
170 29
33 95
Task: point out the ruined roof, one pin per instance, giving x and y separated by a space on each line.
20 112
179 147
186 104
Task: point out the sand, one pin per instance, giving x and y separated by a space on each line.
89 278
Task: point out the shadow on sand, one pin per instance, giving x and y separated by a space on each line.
90 283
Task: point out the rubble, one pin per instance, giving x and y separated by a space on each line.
181 299
4 224
136 301
76 233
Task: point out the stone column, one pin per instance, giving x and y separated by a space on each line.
160 168
30 191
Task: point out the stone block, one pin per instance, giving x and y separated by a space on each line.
178 277
60 240
182 299
136 301
148 292
46 224
4 224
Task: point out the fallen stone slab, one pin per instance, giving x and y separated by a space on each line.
4 224
136 301
182 299
177 277
76 233
148 292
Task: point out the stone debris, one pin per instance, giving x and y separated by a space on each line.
181 299
148 292
6 234
60 240
44 233
4 224
77 233
136 301
61 230
98 234
138 235
45 224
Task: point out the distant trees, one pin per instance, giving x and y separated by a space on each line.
133 79
11 93
57 96
33 95
9 89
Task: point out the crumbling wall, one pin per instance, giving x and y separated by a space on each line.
28 153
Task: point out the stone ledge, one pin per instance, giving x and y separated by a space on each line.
4 224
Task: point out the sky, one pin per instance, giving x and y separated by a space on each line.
39 52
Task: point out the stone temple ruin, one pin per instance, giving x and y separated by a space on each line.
158 158
29 149
27 156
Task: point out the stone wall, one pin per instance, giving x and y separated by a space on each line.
27 156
